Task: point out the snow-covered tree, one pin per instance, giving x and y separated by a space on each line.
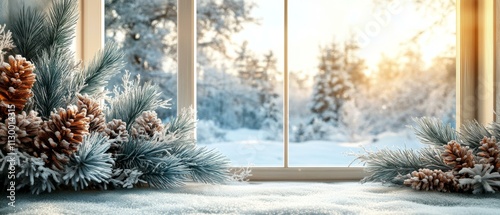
262 109
147 32
331 87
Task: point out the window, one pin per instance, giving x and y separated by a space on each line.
240 87
474 77
147 34
357 73
361 70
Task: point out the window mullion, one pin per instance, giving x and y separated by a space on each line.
186 55
90 29
285 89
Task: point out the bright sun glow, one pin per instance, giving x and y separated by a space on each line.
379 31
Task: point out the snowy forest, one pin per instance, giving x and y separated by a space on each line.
344 99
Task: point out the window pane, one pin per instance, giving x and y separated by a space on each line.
147 33
360 70
239 86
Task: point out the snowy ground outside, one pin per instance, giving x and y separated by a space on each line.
247 147
257 198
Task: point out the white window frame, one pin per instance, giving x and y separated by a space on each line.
476 73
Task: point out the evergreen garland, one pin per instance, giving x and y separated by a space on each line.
85 130
465 161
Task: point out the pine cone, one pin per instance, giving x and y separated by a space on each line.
94 113
60 136
16 80
489 152
426 179
26 129
117 133
457 156
147 125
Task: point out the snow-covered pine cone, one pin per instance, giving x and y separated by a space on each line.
16 80
457 156
117 132
60 136
147 125
26 129
426 179
97 121
489 152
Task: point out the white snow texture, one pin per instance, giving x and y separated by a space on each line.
258 198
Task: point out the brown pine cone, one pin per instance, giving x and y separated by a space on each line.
117 133
16 80
147 125
426 179
457 156
60 136
94 113
26 128
489 152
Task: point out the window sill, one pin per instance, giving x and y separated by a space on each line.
307 173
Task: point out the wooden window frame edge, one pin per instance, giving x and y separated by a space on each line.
476 64
473 67
90 29
306 173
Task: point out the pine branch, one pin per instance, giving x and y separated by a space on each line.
124 178
53 87
90 164
129 103
36 176
167 174
471 134
60 24
28 29
494 128
6 42
107 63
159 168
205 165
181 126
390 165
433 131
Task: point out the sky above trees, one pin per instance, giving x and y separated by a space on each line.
380 29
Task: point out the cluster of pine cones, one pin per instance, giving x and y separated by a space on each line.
485 163
56 138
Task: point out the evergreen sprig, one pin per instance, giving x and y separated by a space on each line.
60 24
471 134
391 166
168 173
124 178
181 126
35 175
204 165
433 131
53 87
28 30
105 64
35 32
152 157
90 164
130 102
